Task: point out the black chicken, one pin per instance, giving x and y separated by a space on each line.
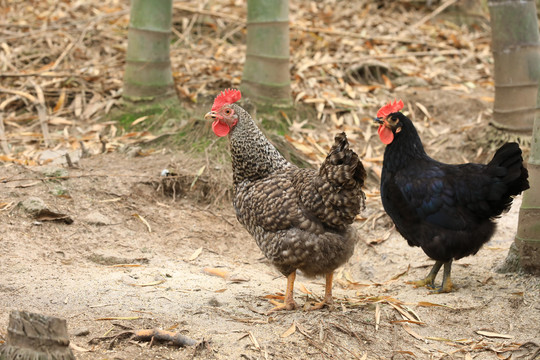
447 210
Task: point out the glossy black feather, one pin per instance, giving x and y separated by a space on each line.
448 210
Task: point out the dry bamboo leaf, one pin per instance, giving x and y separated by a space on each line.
387 81
126 265
274 297
144 222
408 352
139 120
217 272
254 340
5 205
78 348
195 254
26 95
22 186
408 322
402 311
289 331
110 200
423 109
397 276
153 283
411 332
377 316
199 173
468 356
427 304
119 318
380 240
303 289
60 103
77 105
438 339
348 276
344 102
56 120
493 334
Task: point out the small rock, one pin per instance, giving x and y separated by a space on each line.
214 302
133 151
81 332
33 205
97 218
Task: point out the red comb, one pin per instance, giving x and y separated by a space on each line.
226 97
390 108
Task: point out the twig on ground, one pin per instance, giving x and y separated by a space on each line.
151 335
42 113
434 13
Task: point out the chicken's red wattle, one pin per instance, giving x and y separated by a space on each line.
220 129
386 135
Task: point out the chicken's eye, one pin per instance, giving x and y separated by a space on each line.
393 121
228 111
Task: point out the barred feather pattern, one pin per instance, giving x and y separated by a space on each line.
300 218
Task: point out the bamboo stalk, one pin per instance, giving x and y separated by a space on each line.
148 73
516 53
266 77
528 235
3 140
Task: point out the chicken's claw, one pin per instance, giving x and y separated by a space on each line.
429 280
321 304
288 305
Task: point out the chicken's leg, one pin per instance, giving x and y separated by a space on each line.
327 293
430 279
288 303
446 285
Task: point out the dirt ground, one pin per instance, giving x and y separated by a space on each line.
134 258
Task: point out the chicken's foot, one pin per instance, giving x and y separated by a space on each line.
328 300
288 303
430 278
446 285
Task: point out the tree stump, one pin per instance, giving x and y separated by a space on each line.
36 337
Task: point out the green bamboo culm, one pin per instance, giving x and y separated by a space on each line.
148 72
266 77
528 235
516 54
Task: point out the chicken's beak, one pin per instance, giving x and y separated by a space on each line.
378 120
210 115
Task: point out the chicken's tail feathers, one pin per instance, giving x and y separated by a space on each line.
509 176
515 175
339 185
345 162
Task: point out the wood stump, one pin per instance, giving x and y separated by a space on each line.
36 337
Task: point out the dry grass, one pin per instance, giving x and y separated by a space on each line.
61 66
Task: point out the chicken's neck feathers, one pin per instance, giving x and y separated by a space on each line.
253 156
406 148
